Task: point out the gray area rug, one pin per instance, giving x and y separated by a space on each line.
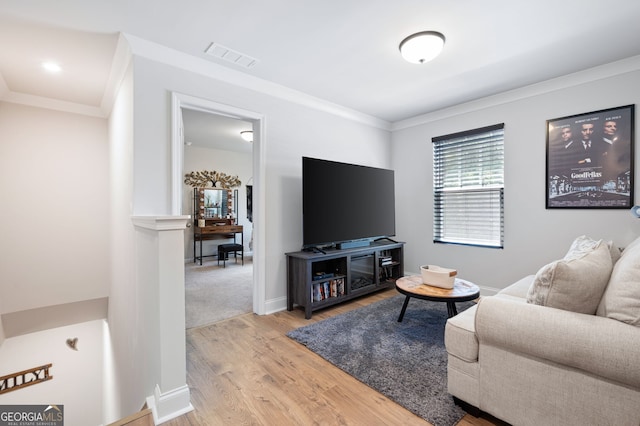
405 361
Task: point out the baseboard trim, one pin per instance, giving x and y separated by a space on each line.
275 305
169 405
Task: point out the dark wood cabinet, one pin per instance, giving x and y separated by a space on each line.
317 280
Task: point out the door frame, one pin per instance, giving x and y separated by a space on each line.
180 101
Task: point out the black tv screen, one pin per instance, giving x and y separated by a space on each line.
345 202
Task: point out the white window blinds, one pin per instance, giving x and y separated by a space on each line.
468 180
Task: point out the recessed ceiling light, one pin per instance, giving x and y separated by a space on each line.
51 67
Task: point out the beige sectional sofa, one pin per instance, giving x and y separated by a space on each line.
561 347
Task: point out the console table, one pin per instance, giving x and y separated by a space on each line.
214 231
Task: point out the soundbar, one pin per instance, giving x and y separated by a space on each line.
353 244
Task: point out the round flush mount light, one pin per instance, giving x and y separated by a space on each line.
247 135
422 47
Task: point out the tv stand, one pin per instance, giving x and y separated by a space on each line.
318 280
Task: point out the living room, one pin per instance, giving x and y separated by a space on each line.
130 172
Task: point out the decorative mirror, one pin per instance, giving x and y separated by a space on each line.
211 205
214 205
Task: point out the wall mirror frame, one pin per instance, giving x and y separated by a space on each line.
215 206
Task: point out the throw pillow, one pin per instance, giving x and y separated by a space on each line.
580 247
584 244
575 283
621 299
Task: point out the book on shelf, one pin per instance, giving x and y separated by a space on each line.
322 275
386 261
316 293
322 290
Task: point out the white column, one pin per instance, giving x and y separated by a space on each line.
163 262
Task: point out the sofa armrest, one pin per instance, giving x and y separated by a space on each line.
598 345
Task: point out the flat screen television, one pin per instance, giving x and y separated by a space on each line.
343 203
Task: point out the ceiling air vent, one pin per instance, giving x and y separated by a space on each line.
240 59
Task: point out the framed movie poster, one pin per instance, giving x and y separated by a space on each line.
590 160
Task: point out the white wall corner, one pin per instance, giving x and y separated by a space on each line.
169 405
4 89
121 59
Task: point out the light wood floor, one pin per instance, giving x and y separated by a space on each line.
245 371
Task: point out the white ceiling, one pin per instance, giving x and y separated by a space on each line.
214 131
344 52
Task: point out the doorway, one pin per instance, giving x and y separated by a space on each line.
216 290
181 103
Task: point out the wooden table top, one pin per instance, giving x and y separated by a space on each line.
413 286
218 229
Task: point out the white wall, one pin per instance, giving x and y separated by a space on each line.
55 208
54 253
197 158
146 306
534 236
292 131
126 392
76 375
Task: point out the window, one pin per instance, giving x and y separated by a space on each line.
468 187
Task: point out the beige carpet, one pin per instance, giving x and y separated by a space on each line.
214 293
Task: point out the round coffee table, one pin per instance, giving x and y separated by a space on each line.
413 286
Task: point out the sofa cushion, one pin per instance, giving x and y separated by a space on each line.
621 299
575 283
460 335
517 290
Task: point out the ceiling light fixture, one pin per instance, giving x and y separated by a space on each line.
247 135
422 47
51 67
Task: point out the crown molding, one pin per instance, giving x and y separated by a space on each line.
570 80
119 64
172 57
50 103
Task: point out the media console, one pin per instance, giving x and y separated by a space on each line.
318 280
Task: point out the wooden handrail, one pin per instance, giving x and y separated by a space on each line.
19 380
